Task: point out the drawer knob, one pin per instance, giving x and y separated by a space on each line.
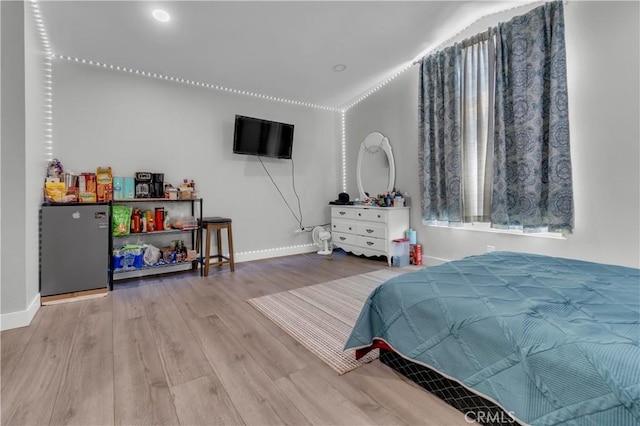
378 216
343 238
349 228
359 214
369 243
343 213
334 226
369 230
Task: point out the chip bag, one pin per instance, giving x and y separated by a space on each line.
121 217
55 191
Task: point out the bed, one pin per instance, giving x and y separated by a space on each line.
549 341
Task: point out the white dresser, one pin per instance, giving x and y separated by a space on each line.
368 231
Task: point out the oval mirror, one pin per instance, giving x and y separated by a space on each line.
375 170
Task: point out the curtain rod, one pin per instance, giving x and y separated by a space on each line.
417 61
463 42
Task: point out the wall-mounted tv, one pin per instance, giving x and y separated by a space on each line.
254 136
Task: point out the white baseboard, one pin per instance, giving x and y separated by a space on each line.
23 318
20 318
275 252
433 261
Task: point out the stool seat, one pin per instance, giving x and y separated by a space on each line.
215 219
209 225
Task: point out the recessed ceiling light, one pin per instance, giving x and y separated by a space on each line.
339 67
161 15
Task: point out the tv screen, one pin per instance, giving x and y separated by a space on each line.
253 136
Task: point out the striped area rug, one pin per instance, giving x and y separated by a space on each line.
321 316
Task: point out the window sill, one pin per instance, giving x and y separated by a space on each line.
486 227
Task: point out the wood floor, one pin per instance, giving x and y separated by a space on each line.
185 349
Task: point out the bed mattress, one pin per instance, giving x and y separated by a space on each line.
552 341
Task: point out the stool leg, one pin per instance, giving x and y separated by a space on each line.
230 238
206 253
219 244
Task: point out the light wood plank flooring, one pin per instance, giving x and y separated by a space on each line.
184 349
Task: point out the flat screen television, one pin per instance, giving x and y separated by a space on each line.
254 136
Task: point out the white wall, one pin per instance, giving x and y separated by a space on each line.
134 123
1 144
13 129
23 163
35 153
602 40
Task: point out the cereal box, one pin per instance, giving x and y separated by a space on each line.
87 188
104 179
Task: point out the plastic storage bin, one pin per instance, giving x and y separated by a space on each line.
400 252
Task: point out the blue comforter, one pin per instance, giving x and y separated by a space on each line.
553 341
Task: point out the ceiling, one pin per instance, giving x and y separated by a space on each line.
280 49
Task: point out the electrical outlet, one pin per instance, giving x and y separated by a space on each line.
490 249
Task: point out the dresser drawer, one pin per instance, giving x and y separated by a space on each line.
371 243
372 215
371 229
346 227
343 213
342 238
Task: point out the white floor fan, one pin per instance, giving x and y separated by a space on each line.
321 238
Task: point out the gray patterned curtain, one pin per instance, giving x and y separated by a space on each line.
440 132
532 184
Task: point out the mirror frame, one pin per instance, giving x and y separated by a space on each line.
379 141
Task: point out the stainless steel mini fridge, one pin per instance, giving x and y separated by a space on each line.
74 247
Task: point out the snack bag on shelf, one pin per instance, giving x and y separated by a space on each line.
104 179
55 191
121 220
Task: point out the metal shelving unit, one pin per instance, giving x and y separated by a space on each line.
193 232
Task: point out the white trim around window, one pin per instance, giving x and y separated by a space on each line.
486 227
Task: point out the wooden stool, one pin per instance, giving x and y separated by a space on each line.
210 224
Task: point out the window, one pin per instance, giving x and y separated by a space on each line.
494 131
478 77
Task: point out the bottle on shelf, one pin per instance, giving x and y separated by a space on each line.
167 222
135 221
407 199
159 218
179 251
